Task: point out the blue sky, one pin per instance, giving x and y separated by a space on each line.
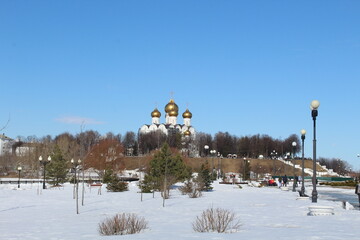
246 67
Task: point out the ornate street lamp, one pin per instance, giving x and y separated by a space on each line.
44 162
293 157
19 170
303 132
314 113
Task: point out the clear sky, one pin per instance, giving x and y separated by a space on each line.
246 67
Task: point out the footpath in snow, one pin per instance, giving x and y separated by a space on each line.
265 213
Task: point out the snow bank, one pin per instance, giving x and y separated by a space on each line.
265 213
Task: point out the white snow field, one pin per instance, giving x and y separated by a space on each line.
30 213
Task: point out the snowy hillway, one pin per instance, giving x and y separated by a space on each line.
265 213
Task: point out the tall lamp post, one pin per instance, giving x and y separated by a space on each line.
213 154
286 161
219 155
303 132
359 174
314 113
44 162
19 170
293 157
206 148
245 168
273 156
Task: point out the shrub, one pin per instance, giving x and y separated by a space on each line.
349 183
116 185
186 188
192 188
122 224
196 193
216 220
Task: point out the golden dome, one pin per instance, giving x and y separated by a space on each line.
173 113
171 106
156 113
187 133
187 114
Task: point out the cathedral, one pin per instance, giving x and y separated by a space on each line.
171 115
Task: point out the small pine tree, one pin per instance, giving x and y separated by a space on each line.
58 168
108 176
164 164
116 185
204 177
149 184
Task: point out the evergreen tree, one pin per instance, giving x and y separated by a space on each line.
204 177
108 176
58 168
164 164
150 184
116 185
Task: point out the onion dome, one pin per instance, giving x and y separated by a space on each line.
187 114
187 133
173 113
171 106
155 113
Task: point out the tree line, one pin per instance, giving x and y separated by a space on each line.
101 151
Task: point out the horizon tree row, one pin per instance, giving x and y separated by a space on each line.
99 150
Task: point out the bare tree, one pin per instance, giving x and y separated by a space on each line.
6 124
129 139
106 154
201 140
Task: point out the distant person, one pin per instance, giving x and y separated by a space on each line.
280 181
299 178
285 179
357 191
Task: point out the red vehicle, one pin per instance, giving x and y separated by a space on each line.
271 182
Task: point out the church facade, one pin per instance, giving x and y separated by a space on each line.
171 121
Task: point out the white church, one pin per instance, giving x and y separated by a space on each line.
171 115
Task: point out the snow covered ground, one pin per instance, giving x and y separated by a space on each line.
265 213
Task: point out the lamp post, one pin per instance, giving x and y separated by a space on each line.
75 166
221 158
245 163
359 173
19 170
273 156
293 157
219 164
44 162
206 148
286 162
303 132
212 152
314 113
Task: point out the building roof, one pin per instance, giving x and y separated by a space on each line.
3 137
